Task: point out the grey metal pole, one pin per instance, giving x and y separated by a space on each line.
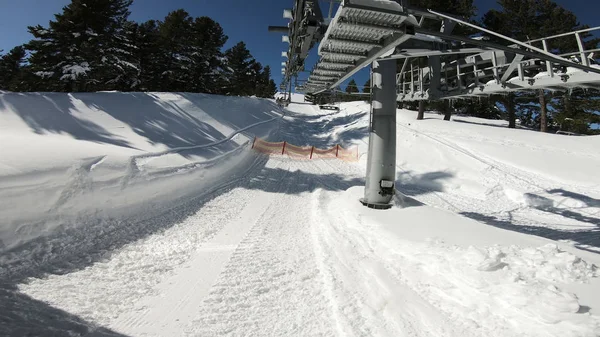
381 163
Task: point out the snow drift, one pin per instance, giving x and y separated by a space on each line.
65 157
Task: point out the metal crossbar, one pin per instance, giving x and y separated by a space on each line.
362 31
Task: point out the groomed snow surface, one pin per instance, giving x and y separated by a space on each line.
131 214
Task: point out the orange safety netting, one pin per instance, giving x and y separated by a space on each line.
304 152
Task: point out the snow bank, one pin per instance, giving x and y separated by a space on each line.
489 281
541 184
72 155
524 181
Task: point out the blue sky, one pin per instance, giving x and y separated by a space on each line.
241 20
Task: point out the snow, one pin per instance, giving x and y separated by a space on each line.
153 217
44 73
75 70
381 4
56 138
90 32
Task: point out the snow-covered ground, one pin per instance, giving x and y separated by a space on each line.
148 215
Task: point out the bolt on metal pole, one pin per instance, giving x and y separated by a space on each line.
381 163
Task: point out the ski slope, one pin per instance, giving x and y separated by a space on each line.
495 232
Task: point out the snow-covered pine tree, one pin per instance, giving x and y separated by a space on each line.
11 67
147 55
240 70
130 79
176 49
84 48
206 57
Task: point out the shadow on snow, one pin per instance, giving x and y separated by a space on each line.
161 120
77 247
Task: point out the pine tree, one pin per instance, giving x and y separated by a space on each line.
240 70
265 86
206 57
352 87
148 56
465 9
576 110
84 48
271 89
11 68
367 87
257 80
128 76
175 59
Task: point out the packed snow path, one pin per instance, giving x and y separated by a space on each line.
283 248
255 260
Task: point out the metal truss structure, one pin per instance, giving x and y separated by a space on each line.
305 29
435 64
458 66
462 67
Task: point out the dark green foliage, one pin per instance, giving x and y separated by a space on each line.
241 71
352 87
85 48
464 9
367 87
533 19
207 40
576 110
11 69
91 46
265 86
175 61
145 37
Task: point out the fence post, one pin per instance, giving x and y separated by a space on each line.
311 151
337 150
254 141
283 150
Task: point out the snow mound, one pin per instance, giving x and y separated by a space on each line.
548 262
518 286
84 156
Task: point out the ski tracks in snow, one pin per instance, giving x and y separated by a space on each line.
191 283
271 285
514 195
368 300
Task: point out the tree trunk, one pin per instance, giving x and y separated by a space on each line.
544 112
421 114
510 108
566 112
447 110
567 102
